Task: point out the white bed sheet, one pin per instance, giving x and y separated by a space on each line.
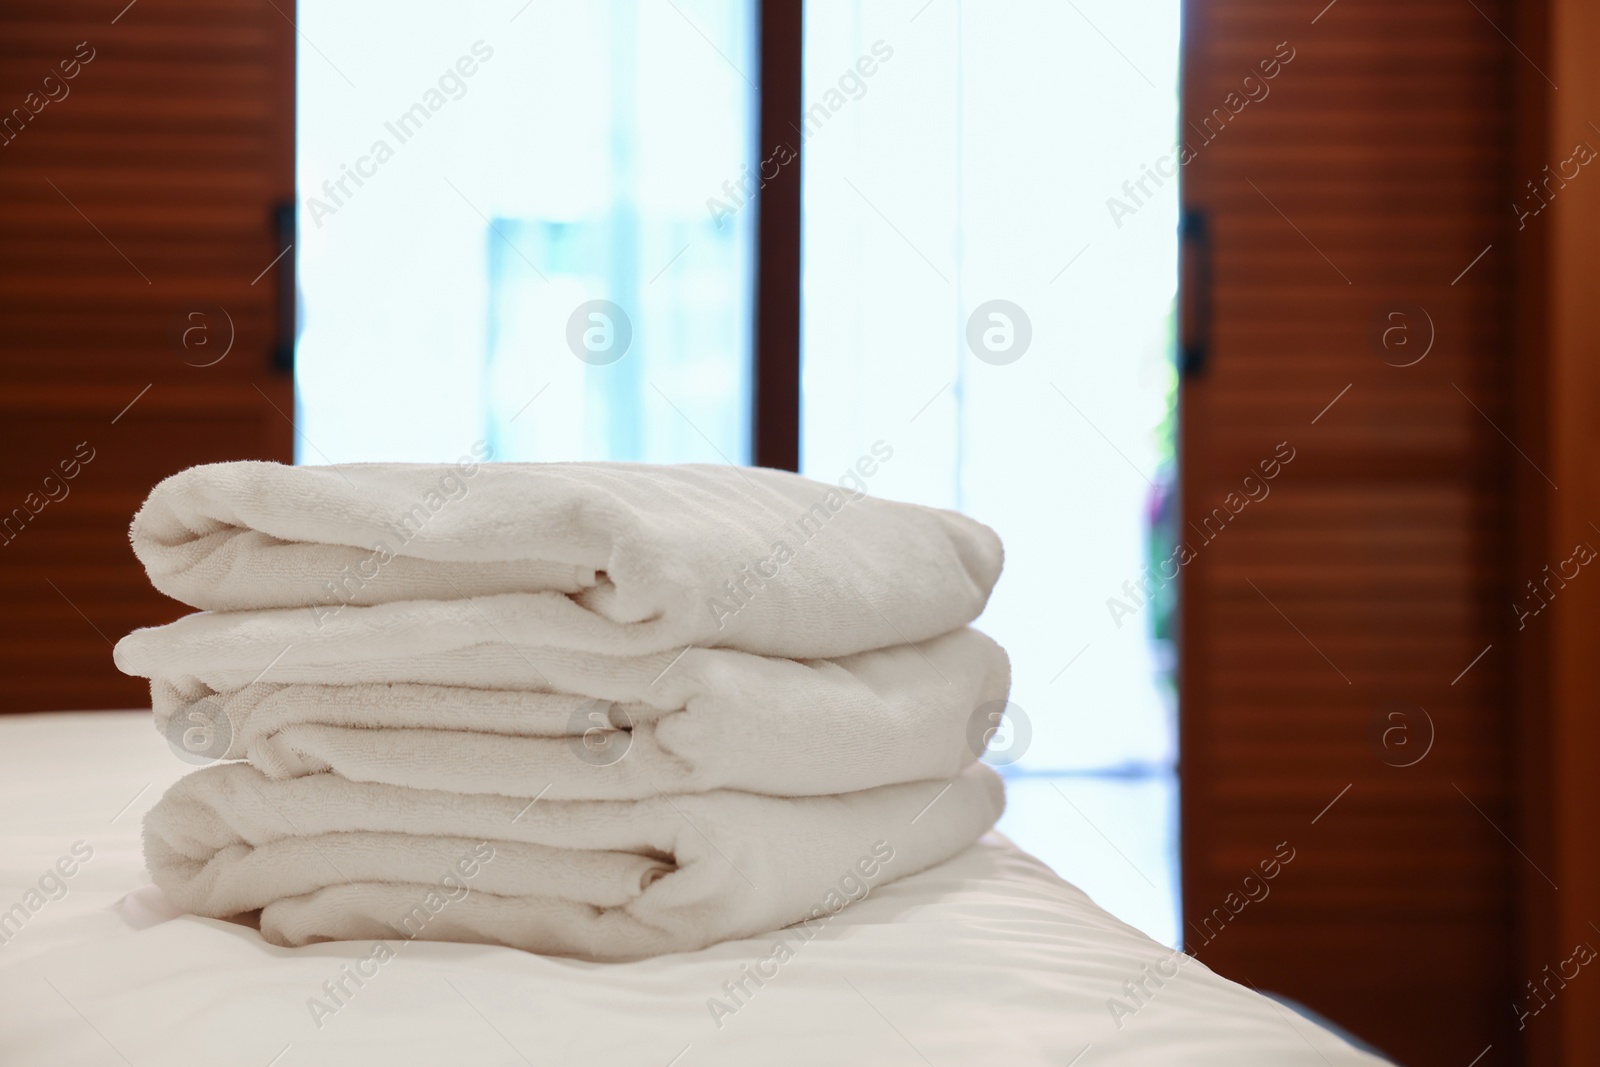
987 959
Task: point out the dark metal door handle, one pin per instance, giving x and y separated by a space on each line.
283 216
1194 292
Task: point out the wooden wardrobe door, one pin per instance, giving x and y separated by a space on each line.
1558 336
1346 687
141 155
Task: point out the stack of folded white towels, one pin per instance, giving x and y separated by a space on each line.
595 710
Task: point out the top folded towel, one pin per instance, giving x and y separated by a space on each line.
717 556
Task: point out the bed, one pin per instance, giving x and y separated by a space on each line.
986 959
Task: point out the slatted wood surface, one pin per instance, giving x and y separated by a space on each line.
1558 335
1370 178
140 195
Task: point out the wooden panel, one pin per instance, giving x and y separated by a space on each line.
1367 583
1558 425
136 198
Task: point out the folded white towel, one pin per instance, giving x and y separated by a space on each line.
329 859
627 557
468 712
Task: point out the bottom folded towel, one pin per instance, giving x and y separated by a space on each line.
324 858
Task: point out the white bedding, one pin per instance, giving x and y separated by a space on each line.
986 959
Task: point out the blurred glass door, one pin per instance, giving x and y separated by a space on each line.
990 264
533 224
528 224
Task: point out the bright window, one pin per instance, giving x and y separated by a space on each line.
507 230
532 224
970 299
